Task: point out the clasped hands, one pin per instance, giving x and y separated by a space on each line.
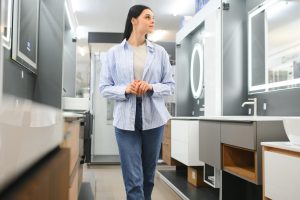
138 87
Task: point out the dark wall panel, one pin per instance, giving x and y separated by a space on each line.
186 104
13 83
279 103
103 37
234 58
48 89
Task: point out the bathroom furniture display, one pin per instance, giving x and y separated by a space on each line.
235 140
241 150
281 164
228 143
25 33
185 141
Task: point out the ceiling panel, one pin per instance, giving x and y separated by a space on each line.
110 15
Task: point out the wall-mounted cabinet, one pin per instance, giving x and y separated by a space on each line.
241 150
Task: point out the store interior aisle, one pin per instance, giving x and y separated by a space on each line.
105 183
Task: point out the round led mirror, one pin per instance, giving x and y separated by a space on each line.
196 70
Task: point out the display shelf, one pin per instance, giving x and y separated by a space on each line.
240 162
211 176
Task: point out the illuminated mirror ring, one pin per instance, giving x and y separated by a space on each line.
198 48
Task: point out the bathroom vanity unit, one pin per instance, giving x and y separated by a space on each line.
281 164
225 144
237 150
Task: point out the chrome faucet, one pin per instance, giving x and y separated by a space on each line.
251 101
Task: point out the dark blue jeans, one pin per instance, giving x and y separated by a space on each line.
139 151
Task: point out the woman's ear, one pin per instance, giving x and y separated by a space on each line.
133 21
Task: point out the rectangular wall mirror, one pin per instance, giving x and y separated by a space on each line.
274 46
25 33
6 17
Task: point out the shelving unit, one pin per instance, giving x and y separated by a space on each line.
240 162
211 176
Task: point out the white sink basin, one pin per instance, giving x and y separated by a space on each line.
292 129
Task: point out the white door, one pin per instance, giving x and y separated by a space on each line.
104 148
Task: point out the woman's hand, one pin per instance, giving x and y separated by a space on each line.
131 88
142 87
138 87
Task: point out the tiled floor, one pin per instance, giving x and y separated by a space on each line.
107 183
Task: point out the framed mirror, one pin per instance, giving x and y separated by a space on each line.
197 70
274 46
25 33
6 17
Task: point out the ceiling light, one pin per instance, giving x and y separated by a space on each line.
182 7
82 50
157 35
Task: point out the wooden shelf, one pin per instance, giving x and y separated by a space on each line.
240 162
244 172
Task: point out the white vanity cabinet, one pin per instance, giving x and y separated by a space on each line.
281 171
185 141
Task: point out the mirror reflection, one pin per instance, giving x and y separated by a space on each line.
196 71
274 46
283 22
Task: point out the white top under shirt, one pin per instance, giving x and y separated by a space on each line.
139 60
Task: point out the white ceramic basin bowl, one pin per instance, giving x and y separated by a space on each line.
292 129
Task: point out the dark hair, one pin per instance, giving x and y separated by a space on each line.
134 12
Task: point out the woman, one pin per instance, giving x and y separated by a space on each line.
137 75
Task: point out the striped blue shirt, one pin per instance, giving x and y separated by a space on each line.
117 73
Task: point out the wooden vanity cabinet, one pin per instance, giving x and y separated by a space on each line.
241 149
71 142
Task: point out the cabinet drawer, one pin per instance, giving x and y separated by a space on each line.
74 190
281 175
239 134
72 142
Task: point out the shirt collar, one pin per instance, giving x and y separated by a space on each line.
149 44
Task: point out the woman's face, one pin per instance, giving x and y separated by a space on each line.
145 22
